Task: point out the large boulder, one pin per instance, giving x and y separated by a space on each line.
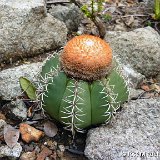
133 134
26 29
9 79
69 13
139 48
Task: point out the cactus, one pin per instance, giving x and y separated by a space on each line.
83 85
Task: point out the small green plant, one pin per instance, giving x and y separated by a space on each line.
100 5
149 23
85 10
107 17
82 86
157 9
93 8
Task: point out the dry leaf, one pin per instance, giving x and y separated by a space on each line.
131 1
50 129
2 116
44 153
29 112
130 21
148 95
29 133
155 87
145 87
11 135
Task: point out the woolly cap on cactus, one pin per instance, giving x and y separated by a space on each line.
86 57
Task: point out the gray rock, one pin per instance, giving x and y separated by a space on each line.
135 93
132 77
135 130
14 152
149 3
26 29
9 79
20 109
70 14
139 48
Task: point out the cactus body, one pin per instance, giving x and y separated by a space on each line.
78 103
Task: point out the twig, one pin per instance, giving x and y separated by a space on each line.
101 27
157 27
135 15
57 1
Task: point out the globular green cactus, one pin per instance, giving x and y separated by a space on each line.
78 96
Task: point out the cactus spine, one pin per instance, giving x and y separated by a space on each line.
79 103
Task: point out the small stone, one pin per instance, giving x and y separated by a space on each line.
11 135
20 110
44 153
14 152
29 147
79 32
50 129
51 144
61 148
15 110
29 133
2 123
37 149
45 143
28 156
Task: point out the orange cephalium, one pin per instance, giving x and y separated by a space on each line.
86 57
